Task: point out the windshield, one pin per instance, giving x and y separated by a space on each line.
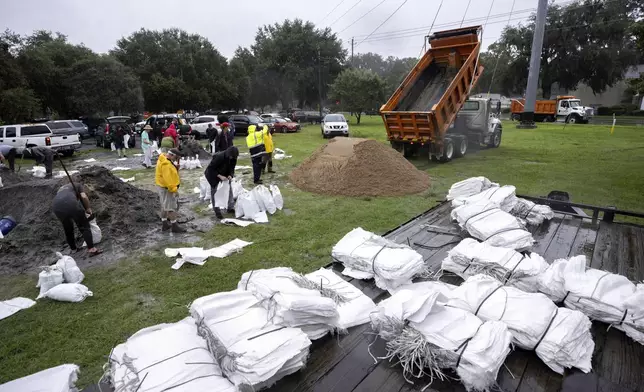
58 125
575 104
334 118
254 119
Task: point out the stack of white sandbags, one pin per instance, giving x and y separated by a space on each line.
166 357
561 337
254 204
57 379
508 266
469 187
505 196
250 349
601 295
484 220
425 336
354 308
292 300
366 255
532 213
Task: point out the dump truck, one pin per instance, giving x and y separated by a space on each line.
566 108
420 115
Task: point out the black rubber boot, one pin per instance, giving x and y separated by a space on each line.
166 225
177 229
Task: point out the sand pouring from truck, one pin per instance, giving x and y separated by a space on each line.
421 115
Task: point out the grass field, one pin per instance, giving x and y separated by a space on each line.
586 161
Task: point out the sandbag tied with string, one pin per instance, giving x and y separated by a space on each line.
427 338
166 357
601 295
532 213
505 196
469 187
366 255
506 265
294 301
560 337
249 348
485 221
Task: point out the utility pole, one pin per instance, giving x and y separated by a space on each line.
352 42
320 80
527 118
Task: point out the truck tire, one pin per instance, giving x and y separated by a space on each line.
461 147
495 140
572 119
398 147
448 151
516 117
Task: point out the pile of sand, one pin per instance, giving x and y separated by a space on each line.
359 167
126 215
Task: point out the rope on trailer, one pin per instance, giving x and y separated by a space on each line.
499 57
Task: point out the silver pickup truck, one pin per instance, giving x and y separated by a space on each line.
31 135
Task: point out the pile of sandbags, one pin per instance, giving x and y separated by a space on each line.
426 337
366 255
166 357
561 337
251 350
50 281
506 265
504 196
254 204
469 187
190 163
57 379
601 295
532 213
293 301
485 221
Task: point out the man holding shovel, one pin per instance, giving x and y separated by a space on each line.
8 156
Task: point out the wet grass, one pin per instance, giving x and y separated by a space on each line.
589 163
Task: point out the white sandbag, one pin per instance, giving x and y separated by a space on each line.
532 213
293 300
166 357
57 379
39 171
155 146
121 168
1 182
71 272
67 292
277 196
48 278
506 265
113 146
237 187
198 163
126 140
14 305
421 330
228 248
355 309
561 337
236 222
126 180
222 194
505 196
251 349
248 204
366 255
97 235
204 188
239 208
260 217
485 221
262 193
469 187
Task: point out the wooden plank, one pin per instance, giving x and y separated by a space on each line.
563 239
630 252
515 365
538 377
584 243
639 255
617 358
544 233
605 248
576 381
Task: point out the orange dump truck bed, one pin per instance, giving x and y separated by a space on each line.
426 103
540 107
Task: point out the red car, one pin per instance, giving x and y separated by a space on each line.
280 125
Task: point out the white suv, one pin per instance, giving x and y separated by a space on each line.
334 125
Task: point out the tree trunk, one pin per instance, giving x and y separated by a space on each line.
358 114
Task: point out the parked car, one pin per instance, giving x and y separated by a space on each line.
314 117
69 127
106 130
282 125
32 135
138 127
334 125
200 126
243 121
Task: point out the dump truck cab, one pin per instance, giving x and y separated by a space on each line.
566 108
478 123
570 109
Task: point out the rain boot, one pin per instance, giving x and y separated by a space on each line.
166 225
177 229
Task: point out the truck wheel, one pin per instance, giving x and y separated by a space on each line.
461 148
572 119
516 117
448 151
495 141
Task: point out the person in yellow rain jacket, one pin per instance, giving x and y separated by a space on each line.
268 157
167 181
257 149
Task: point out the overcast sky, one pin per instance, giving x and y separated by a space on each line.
229 24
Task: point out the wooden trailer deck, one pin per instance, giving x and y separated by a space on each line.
343 364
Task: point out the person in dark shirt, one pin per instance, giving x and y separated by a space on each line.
119 140
221 168
71 205
223 139
43 155
211 134
8 155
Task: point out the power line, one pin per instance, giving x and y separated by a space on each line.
342 16
498 58
385 21
334 8
465 13
360 18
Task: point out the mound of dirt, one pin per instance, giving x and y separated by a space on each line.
358 167
126 215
